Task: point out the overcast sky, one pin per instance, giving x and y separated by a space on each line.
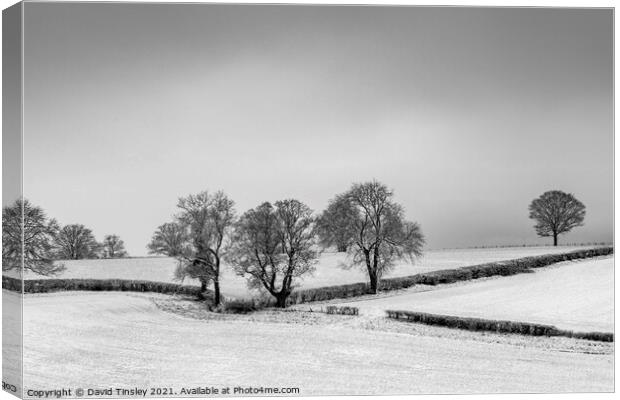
468 114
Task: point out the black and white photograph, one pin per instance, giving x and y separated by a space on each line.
235 200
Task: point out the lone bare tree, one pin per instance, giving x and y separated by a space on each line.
113 247
196 238
556 213
169 239
274 245
75 242
332 225
24 220
380 234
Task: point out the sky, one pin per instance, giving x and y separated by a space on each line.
466 113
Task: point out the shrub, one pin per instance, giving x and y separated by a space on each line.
239 306
328 293
345 310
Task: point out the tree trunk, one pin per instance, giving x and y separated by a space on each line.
555 239
374 284
281 299
374 276
216 281
216 289
372 273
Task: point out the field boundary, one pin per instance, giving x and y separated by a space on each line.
445 276
500 326
112 285
439 277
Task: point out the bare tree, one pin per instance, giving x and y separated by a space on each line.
556 213
205 221
22 220
274 245
75 242
113 247
379 231
332 225
169 239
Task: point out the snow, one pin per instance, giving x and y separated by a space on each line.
127 340
572 295
102 340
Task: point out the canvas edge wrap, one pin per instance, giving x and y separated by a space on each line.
12 174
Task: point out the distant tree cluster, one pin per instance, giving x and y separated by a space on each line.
40 242
113 247
76 242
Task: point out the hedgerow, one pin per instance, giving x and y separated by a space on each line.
122 285
479 324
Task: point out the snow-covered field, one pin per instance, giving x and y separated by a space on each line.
328 272
571 295
93 339
87 339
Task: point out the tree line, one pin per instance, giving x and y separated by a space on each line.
272 245
45 241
